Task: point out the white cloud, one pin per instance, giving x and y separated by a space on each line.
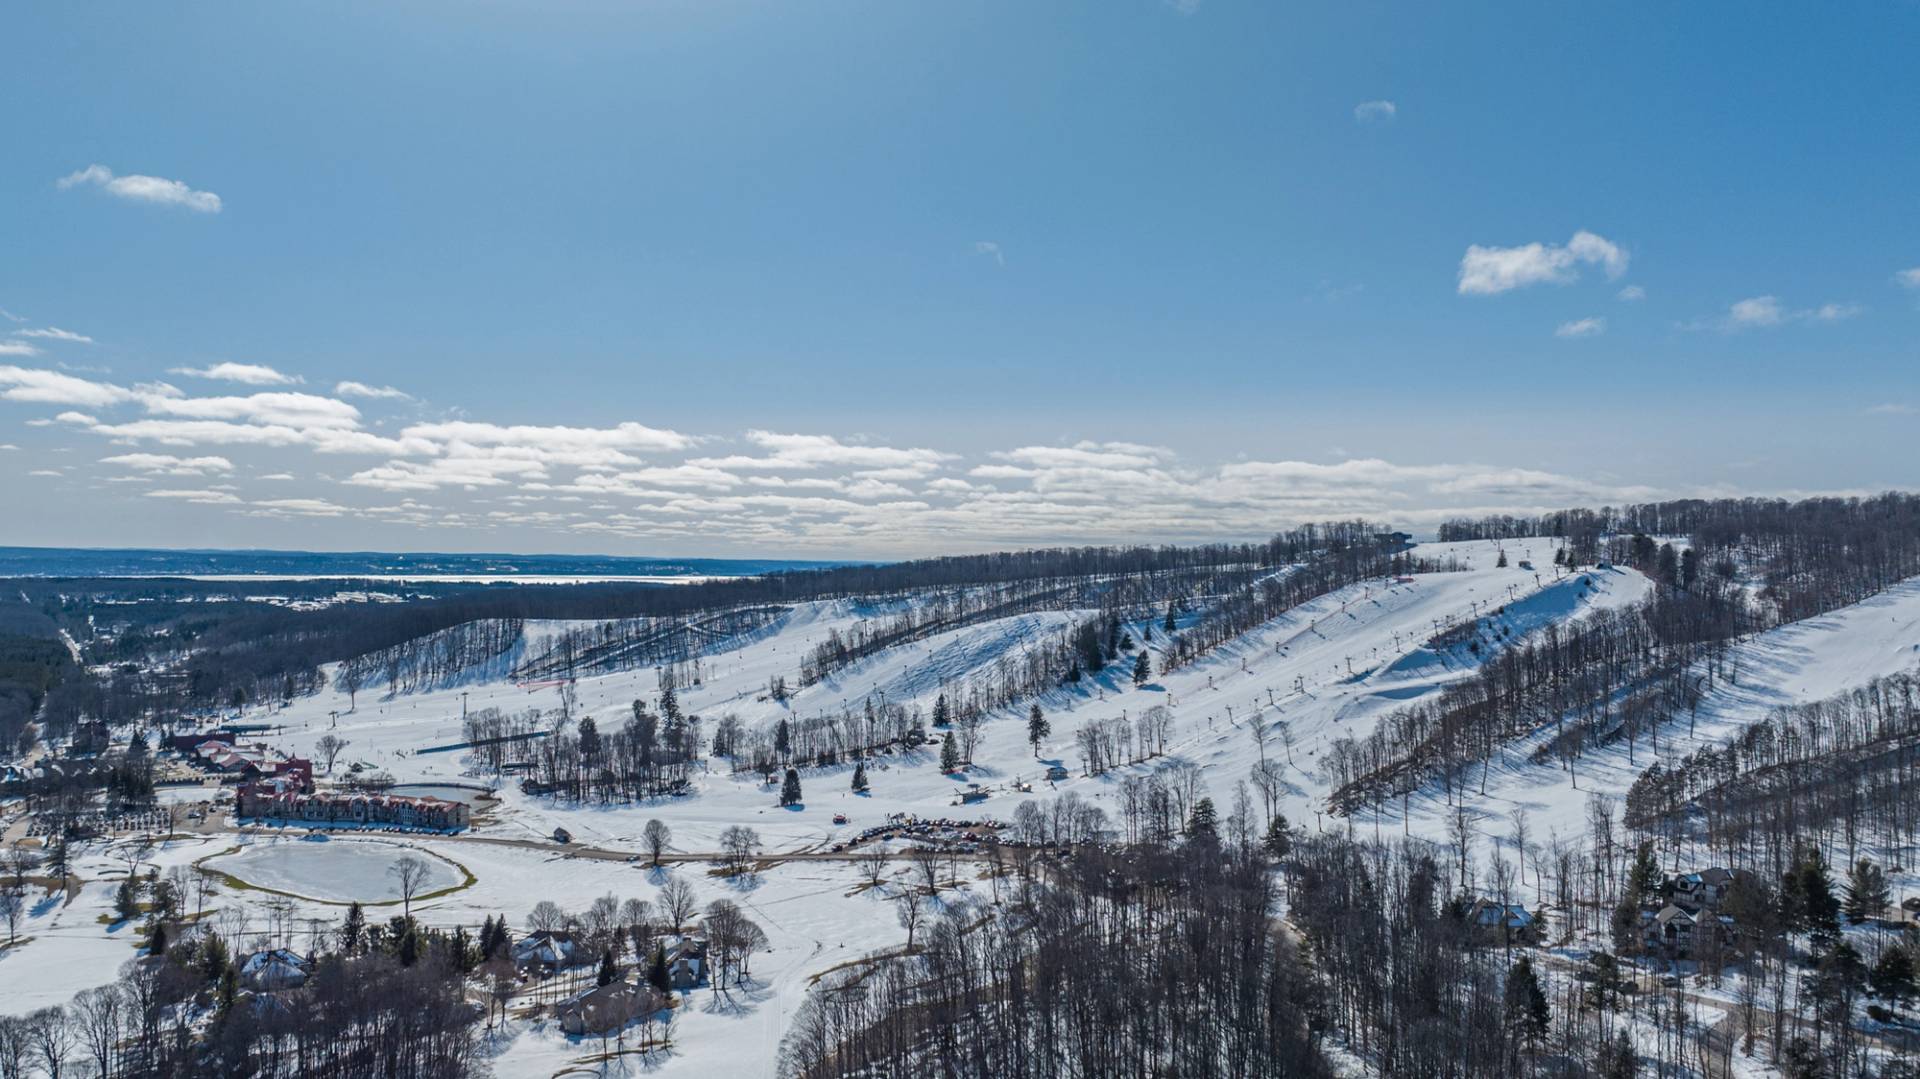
361 389
1086 454
305 507
989 248
1766 312
55 333
168 464
1756 311
1582 327
1909 278
1892 408
300 410
1489 271
199 497
17 348
808 452
1631 293
251 374
144 189
1375 111
54 388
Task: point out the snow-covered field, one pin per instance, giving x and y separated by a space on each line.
1330 668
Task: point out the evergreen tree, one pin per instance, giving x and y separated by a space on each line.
408 943
1168 624
126 901
790 789
1867 892
1037 728
1527 1013
783 740
949 754
1645 881
1203 823
657 971
1893 976
941 716
353 931
1501 563
1689 567
589 739
461 949
229 988
213 957
1279 841
157 939
1806 897
1142 669
860 785
608 972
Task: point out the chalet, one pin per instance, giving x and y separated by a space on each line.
1703 890
270 971
686 962
1676 932
1502 923
546 951
607 1008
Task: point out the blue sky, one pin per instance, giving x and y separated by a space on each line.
867 279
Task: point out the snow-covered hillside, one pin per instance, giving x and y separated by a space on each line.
1330 668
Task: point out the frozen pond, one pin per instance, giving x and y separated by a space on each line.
445 792
334 870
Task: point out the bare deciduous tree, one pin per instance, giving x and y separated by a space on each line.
910 907
679 902
409 874
328 748
657 836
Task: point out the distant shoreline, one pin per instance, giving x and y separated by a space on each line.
226 566
434 578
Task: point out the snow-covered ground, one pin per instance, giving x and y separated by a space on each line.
1330 668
